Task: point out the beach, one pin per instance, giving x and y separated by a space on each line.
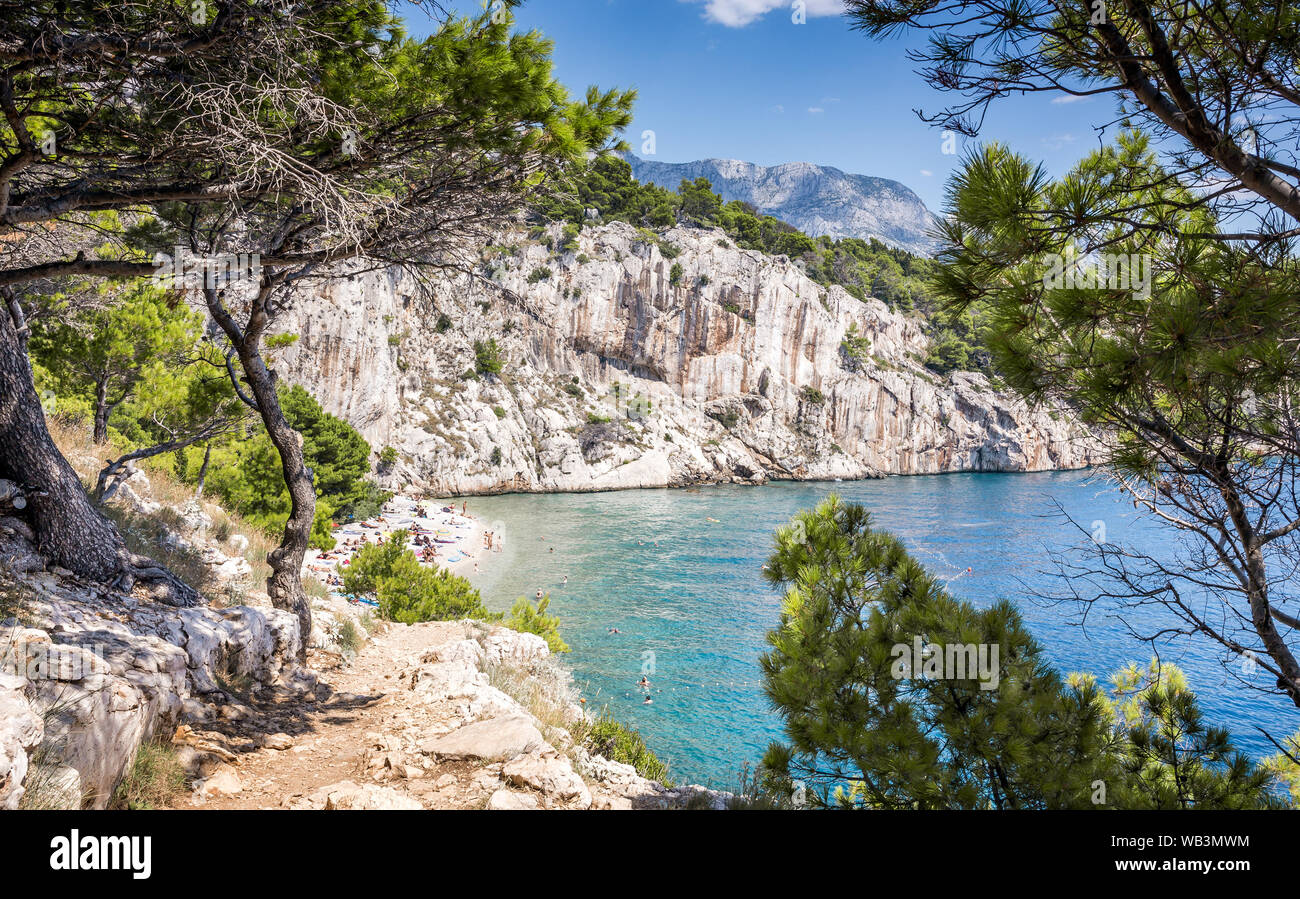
439 534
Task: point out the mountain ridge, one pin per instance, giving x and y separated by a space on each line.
819 200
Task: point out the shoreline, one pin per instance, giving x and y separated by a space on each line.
769 482
464 544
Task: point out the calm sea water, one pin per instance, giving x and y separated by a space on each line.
685 593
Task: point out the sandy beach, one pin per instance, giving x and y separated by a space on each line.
455 540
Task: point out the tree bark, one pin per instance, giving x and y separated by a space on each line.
284 586
203 470
100 435
70 532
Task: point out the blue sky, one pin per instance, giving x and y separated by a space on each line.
738 79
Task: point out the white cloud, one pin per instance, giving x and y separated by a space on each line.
1068 98
815 110
1057 141
926 172
739 13
778 108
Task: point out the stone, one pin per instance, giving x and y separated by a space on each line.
278 742
510 801
347 795
224 781
550 774
493 739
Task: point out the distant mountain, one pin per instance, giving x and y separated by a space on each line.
816 199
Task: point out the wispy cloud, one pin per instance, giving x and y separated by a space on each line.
739 13
778 108
1068 98
1057 141
926 172
815 110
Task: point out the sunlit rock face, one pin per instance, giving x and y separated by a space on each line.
626 367
817 199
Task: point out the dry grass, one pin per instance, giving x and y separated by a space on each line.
154 780
143 532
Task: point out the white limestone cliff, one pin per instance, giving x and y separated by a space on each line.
627 367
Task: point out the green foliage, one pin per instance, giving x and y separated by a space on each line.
488 358
812 395
407 591
619 743
855 347
675 274
865 731
528 618
248 477
538 275
388 457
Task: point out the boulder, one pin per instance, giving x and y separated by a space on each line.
490 740
510 801
550 774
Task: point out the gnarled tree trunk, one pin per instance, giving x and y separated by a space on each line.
284 586
70 532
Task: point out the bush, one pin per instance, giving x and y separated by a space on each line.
407 591
532 619
539 274
619 743
388 457
675 274
500 413
495 457
488 358
813 395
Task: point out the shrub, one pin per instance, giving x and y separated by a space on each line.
538 274
387 457
813 395
675 274
488 358
444 323
500 413
413 593
407 591
495 457
619 743
532 619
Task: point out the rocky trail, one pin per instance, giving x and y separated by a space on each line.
414 722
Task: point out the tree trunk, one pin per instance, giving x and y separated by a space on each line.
100 435
284 586
70 532
203 470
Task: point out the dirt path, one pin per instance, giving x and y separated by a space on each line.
286 749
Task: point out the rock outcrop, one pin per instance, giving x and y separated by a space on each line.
88 675
640 360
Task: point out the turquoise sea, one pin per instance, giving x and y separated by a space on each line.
686 595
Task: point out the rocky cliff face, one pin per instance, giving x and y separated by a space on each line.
816 199
640 360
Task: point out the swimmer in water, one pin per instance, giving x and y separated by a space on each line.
539 594
566 579
648 700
